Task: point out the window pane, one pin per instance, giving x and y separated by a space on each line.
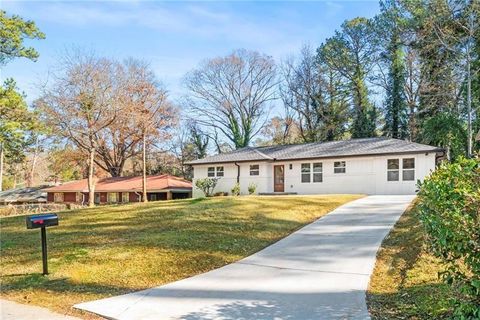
211 171
408 175
409 163
305 167
338 164
317 177
219 171
254 170
317 167
393 175
112 197
393 164
305 177
339 170
339 167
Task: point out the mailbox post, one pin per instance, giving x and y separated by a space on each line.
42 221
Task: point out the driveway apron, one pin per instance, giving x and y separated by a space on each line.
318 272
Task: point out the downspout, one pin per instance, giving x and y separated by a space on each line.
139 196
238 172
438 157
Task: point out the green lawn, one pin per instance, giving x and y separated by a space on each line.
405 283
111 250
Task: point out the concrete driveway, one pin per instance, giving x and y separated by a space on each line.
319 272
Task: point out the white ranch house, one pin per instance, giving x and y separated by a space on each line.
360 166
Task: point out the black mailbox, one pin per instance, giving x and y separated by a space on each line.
41 221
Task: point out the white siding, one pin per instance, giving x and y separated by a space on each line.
365 175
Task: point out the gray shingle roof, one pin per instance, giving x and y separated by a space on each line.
333 149
27 195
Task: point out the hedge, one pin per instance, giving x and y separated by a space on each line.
449 208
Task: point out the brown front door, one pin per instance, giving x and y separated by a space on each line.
278 179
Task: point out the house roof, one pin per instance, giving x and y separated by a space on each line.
24 195
333 149
125 184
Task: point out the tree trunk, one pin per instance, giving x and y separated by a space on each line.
31 174
91 182
469 108
144 168
1 166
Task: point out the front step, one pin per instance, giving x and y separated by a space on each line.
276 193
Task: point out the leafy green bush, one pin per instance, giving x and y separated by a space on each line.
236 189
449 208
207 185
252 187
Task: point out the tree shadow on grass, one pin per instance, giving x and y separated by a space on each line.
32 281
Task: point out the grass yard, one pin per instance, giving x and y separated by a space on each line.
110 250
405 283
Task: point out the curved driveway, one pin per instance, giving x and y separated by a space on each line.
319 272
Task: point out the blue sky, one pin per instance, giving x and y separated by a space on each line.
174 36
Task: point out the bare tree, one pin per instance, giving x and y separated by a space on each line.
151 114
80 103
314 96
231 94
412 89
136 87
455 24
300 91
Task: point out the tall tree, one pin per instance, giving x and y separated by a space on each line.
351 52
199 140
80 104
456 30
231 94
389 28
15 119
414 80
151 112
136 89
13 31
302 92
313 97
15 123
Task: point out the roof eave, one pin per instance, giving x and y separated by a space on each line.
436 150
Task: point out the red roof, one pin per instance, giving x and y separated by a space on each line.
125 184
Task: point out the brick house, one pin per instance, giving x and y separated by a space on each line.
121 190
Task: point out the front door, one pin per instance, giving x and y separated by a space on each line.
278 178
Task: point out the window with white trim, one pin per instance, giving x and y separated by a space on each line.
408 166
58 197
317 172
211 171
339 167
112 197
254 169
393 169
125 197
219 171
305 171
